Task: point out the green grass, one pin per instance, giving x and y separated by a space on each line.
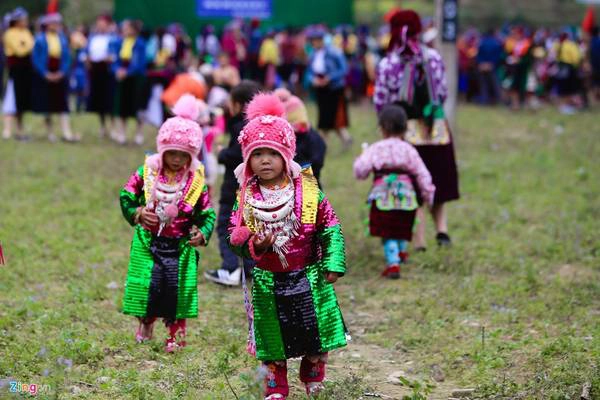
512 309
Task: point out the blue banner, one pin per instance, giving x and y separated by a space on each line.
261 9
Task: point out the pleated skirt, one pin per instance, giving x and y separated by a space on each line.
162 277
295 313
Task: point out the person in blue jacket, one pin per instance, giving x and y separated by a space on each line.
129 69
489 57
51 61
326 72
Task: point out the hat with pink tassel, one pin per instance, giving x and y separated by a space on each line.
266 128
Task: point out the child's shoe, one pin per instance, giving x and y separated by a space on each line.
275 396
391 272
314 388
276 383
144 332
312 374
171 345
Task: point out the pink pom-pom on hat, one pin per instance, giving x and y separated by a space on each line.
181 132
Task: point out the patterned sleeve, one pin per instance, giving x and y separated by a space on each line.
132 195
416 167
439 75
381 94
244 250
363 165
331 238
204 214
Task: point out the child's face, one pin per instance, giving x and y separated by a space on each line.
267 164
175 160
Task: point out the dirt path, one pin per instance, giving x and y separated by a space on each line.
379 366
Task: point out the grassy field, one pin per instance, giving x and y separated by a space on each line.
512 309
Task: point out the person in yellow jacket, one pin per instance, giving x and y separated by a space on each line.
565 71
18 44
268 60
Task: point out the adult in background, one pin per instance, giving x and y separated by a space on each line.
413 76
51 62
567 59
18 45
326 72
489 56
102 83
519 63
129 69
595 60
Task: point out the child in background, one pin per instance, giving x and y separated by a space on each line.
230 273
287 225
310 146
395 165
167 201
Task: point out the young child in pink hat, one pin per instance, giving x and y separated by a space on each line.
287 225
167 202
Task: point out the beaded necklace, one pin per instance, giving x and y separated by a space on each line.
275 214
166 194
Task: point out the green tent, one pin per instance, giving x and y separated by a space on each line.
297 13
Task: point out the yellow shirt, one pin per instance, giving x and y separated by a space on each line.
269 52
127 48
17 42
568 52
54 47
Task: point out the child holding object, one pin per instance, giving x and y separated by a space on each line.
287 225
395 165
167 201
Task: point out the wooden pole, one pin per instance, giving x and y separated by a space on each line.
446 18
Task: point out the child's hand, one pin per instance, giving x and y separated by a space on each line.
148 219
332 277
261 244
197 238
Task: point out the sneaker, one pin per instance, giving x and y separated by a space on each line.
391 272
224 277
443 240
6 135
52 138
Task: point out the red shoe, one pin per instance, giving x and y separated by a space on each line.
391 272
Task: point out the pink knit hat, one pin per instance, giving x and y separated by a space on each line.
295 110
266 127
180 132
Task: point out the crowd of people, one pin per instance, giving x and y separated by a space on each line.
274 223
122 71
524 67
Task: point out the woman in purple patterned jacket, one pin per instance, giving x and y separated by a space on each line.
413 76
